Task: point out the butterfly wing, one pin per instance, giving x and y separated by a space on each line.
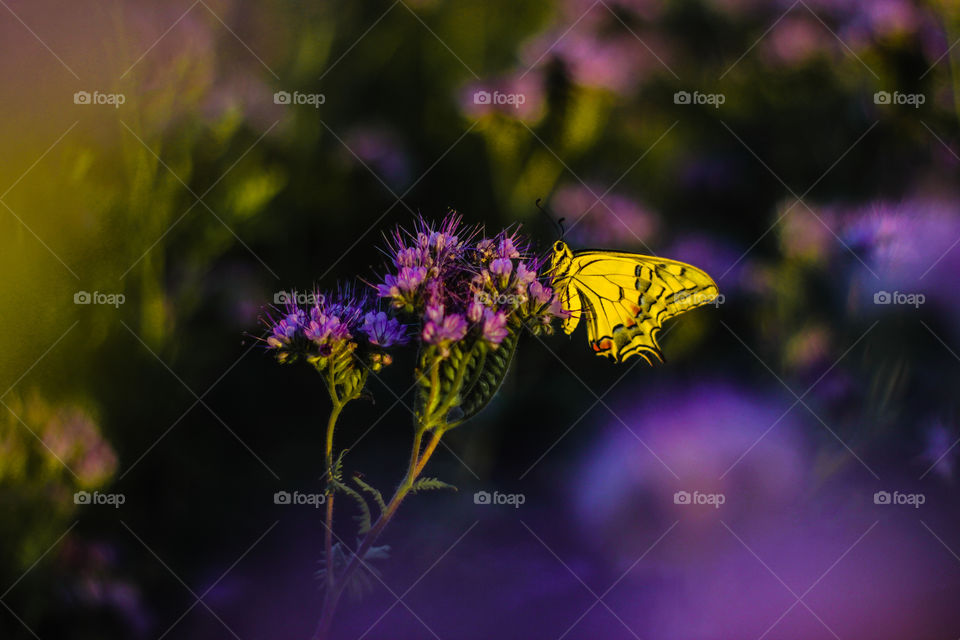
625 299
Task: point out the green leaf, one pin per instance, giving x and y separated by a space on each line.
377 553
430 484
336 472
360 582
364 519
483 383
373 492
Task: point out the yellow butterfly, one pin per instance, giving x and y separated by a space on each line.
625 297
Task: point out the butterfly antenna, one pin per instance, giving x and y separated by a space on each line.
559 222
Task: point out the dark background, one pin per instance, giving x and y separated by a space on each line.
798 398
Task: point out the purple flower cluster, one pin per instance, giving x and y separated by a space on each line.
323 328
464 285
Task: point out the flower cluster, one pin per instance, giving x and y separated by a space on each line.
466 286
329 331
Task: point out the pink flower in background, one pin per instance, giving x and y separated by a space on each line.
380 149
616 221
797 38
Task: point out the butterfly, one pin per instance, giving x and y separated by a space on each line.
625 297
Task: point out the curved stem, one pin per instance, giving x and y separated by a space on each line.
433 419
328 542
337 407
417 463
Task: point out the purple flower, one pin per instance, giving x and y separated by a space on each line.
494 326
403 287
525 277
285 330
539 294
442 329
322 329
507 247
383 330
330 330
465 286
475 310
427 264
501 267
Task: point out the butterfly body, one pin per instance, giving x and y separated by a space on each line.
625 298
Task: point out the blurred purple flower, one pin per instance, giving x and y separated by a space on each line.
798 38
598 51
723 260
706 570
911 247
617 221
380 149
940 450
704 436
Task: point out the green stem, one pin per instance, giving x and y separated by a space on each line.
432 420
328 543
328 459
416 465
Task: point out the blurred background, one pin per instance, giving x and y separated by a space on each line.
169 167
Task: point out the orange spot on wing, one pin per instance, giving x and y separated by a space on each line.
602 345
